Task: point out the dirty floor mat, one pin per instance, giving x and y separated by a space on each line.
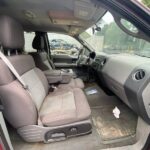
112 129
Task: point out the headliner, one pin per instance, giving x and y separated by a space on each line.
66 16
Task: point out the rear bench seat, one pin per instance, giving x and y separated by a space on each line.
40 115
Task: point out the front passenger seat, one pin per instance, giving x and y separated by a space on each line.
37 114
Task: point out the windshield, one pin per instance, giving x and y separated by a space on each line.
107 37
146 3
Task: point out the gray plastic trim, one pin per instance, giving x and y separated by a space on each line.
4 128
146 99
134 91
35 133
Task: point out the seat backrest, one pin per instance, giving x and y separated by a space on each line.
20 108
41 57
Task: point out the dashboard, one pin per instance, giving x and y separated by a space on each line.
128 77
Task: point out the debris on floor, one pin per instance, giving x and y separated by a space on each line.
91 91
111 129
116 112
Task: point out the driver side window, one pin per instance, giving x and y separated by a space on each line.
63 45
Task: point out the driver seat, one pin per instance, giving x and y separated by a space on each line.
42 62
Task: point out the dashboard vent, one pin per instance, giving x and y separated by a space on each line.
139 75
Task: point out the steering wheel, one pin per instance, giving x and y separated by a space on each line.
91 57
85 60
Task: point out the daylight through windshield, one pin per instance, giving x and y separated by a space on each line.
107 37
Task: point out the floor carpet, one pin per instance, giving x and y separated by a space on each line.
110 128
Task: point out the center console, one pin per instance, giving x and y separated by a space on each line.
57 76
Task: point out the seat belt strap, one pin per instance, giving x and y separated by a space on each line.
12 69
16 74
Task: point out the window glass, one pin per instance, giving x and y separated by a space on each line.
29 36
111 39
146 3
63 44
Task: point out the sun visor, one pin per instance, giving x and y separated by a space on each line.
84 10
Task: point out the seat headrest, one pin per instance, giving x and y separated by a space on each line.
11 33
38 42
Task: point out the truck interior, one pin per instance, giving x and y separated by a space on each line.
74 74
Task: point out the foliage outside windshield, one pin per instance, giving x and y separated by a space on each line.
145 2
111 39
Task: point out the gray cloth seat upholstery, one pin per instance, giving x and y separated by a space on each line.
77 83
23 108
64 108
42 62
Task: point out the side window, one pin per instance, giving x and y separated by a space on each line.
63 44
29 36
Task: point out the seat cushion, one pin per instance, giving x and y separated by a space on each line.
64 107
74 83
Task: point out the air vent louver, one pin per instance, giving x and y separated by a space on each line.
140 74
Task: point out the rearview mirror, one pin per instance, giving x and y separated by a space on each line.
98 29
